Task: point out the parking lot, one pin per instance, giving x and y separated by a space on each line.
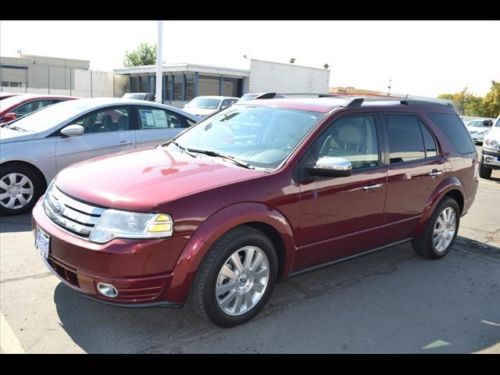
387 302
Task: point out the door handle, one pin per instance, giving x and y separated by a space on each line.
372 187
125 143
434 173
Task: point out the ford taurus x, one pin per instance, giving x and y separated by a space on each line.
254 194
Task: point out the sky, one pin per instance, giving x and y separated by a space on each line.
421 58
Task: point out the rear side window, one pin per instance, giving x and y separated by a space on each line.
405 138
430 143
454 129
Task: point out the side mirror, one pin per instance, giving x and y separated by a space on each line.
72 130
9 117
329 166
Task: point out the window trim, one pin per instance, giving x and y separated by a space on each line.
387 159
298 174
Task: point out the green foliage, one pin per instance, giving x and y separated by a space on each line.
145 54
468 104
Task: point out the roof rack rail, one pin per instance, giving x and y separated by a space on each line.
354 102
272 95
424 101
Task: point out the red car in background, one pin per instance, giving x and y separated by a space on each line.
21 105
5 95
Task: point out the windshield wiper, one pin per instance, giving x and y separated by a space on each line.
14 127
182 148
219 155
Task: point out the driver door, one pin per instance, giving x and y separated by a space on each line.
341 216
107 130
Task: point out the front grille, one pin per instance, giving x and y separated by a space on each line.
74 216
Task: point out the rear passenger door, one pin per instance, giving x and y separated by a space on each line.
157 125
416 168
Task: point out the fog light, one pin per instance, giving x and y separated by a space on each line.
488 159
107 290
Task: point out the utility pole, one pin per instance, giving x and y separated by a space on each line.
159 58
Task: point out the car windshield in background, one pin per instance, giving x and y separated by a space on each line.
247 97
260 136
51 116
205 103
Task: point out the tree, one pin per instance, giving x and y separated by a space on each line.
466 103
145 54
491 102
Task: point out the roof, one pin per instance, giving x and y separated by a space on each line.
184 67
326 104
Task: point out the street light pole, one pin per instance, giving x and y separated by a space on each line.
159 58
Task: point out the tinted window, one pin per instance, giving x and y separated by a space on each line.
455 131
405 138
430 143
27 108
153 118
106 120
353 138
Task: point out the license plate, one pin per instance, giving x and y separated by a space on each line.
42 242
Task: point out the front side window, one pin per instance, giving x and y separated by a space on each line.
27 108
153 118
353 138
106 120
259 136
406 142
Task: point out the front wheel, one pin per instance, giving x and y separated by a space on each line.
484 172
20 187
236 278
441 231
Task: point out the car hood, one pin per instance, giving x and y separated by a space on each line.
494 133
141 181
199 111
9 135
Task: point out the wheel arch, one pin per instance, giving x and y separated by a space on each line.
28 165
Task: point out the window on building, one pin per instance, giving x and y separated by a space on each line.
189 86
178 83
230 87
208 85
144 84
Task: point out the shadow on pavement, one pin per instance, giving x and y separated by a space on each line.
386 302
19 223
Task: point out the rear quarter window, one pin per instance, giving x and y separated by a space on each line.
454 129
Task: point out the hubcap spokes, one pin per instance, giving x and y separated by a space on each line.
242 280
16 191
444 229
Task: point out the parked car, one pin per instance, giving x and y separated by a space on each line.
222 219
5 95
36 147
139 95
206 105
22 105
490 155
478 129
261 95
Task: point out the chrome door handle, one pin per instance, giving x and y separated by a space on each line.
372 187
125 143
435 173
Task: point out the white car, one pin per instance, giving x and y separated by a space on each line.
490 156
204 106
478 128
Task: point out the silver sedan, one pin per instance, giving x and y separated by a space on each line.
34 148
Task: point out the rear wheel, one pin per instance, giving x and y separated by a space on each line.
441 231
236 279
20 187
484 172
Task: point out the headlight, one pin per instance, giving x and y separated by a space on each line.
124 224
490 143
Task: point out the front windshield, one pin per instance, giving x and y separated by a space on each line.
205 103
260 136
50 116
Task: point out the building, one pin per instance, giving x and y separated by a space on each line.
183 82
53 75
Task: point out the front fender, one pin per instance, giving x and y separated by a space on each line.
449 184
213 228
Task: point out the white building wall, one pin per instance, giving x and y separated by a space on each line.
266 76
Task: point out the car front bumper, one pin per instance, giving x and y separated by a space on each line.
141 271
491 159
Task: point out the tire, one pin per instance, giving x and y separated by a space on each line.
203 297
12 176
426 245
484 172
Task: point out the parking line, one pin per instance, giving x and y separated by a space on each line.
8 341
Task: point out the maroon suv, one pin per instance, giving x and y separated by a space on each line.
254 194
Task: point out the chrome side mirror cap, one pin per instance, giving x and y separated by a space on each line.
330 166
